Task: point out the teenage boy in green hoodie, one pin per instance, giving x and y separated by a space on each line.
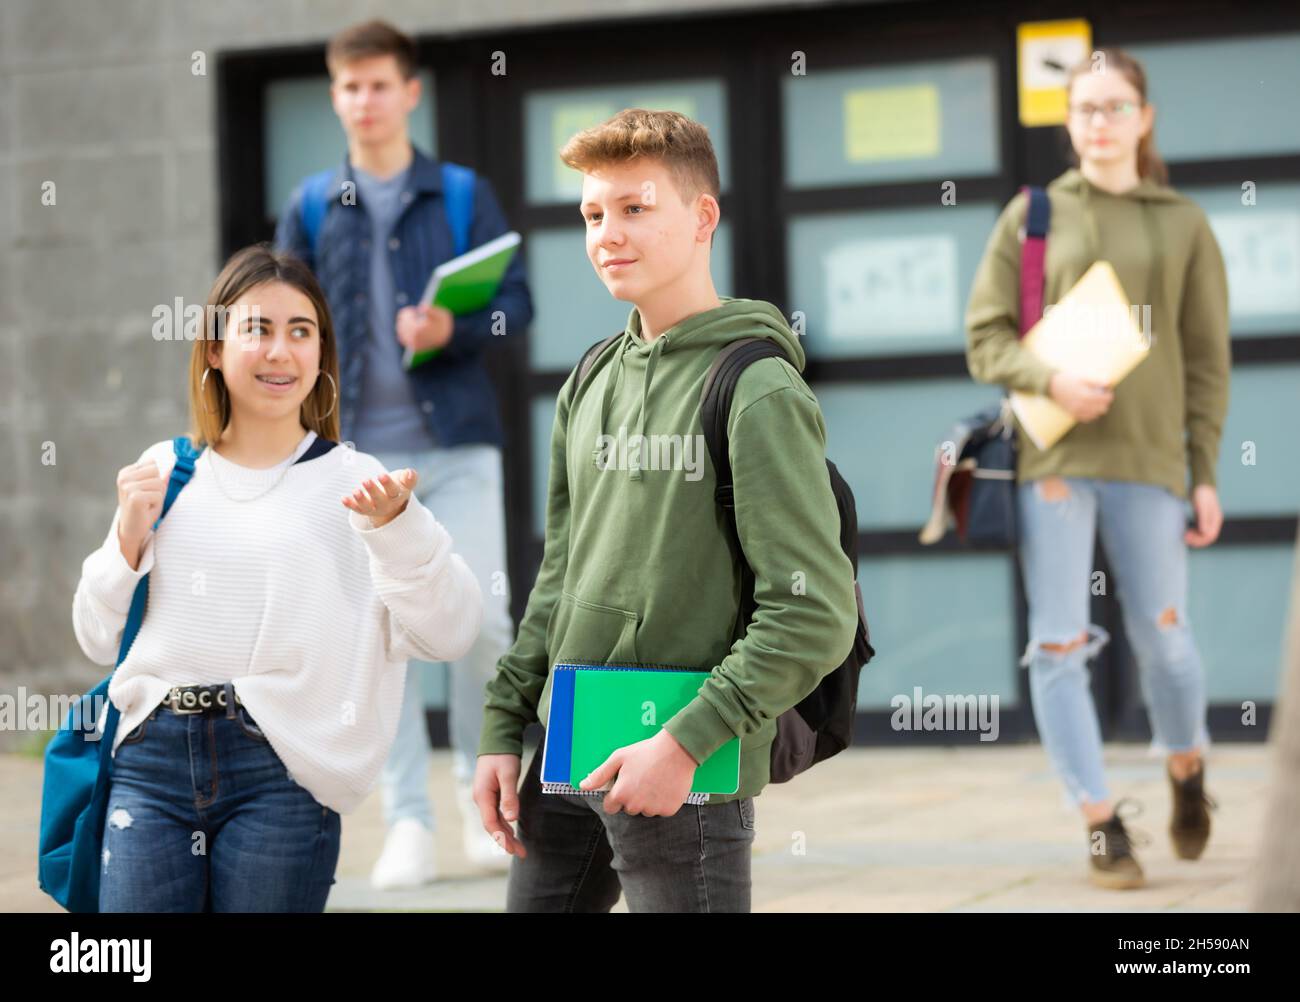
638 563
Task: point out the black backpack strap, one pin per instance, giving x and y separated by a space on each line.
318 448
715 406
588 360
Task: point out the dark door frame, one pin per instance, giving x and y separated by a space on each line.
479 122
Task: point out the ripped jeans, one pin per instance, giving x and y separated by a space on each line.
203 816
1141 528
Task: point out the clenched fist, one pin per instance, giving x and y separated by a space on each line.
140 492
383 498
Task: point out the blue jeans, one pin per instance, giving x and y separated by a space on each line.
1141 528
203 816
462 487
580 858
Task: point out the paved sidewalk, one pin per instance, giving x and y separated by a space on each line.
980 829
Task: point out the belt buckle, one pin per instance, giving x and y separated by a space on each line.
185 701
190 701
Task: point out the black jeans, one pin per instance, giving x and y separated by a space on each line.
580 858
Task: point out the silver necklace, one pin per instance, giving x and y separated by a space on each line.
216 479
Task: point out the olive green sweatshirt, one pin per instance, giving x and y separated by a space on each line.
639 565
1167 414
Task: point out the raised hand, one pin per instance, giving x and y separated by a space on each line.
383 498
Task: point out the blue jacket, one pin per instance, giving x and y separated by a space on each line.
452 388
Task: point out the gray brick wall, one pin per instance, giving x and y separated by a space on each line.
98 97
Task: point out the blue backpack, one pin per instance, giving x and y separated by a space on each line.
458 199
79 759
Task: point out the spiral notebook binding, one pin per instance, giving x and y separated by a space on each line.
626 666
691 798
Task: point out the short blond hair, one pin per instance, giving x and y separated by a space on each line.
681 144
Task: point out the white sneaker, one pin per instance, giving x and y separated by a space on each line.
408 857
481 849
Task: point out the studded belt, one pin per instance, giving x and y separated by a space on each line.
198 698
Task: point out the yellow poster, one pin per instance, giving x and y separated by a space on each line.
892 123
1046 51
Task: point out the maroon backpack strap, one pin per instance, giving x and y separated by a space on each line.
1032 252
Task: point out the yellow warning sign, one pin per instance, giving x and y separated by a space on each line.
1047 51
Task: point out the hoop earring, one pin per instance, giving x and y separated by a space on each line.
335 403
203 392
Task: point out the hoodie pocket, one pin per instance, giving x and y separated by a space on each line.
586 631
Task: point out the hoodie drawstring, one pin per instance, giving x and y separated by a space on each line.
1149 225
1156 262
656 350
610 385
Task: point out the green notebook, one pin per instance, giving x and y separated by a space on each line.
615 706
466 284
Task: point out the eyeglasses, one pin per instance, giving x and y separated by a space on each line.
1111 110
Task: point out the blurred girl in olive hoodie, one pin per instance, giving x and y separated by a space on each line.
1124 467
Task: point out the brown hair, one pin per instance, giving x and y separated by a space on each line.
369 39
680 144
250 267
1149 163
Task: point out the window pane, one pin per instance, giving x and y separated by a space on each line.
902 123
944 623
1261 250
1239 628
883 439
1224 99
886 282
303 134
543 416
1258 473
574 310
552 117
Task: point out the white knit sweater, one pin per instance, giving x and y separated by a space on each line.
310 611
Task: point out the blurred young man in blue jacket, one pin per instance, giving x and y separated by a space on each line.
373 229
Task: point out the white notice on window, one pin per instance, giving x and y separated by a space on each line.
1261 250
892 288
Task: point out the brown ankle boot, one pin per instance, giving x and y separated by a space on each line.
1189 824
1113 864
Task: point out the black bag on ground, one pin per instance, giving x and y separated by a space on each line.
975 481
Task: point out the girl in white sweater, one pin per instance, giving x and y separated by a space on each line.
288 585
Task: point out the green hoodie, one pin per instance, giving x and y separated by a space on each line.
1168 413
638 564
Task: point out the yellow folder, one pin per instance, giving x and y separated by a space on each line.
1093 332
